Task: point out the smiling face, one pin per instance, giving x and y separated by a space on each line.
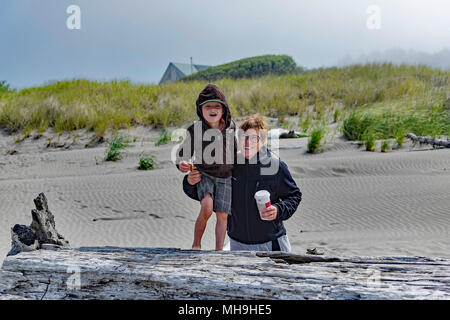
250 142
212 112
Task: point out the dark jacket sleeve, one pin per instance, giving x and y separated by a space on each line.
288 192
190 190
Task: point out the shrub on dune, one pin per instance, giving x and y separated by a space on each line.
316 138
147 162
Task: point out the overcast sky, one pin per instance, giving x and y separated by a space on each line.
136 39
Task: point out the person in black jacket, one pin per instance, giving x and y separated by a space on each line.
256 169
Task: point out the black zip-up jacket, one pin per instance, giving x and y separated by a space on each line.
244 223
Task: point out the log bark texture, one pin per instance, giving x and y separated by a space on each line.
56 272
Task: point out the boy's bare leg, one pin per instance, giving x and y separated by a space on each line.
200 225
221 229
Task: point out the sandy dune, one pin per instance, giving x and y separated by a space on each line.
354 202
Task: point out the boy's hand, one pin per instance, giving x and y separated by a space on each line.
194 177
184 166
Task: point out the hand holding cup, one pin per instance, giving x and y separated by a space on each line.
266 210
269 213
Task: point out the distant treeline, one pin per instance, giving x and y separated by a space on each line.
248 68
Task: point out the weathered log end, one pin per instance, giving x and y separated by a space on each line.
23 238
41 231
41 202
432 141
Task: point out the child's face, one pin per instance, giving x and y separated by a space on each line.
212 111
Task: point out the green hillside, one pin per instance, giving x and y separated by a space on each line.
247 68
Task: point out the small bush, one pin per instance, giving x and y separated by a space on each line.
316 139
147 162
116 146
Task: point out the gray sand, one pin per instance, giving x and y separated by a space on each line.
354 202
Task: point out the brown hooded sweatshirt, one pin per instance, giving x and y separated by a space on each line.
196 141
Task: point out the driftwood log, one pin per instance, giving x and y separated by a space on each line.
42 266
165 273
433 141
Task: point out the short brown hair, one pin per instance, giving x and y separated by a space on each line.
255 122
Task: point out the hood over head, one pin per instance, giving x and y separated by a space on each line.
213 93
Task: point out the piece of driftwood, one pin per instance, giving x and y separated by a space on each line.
433 141
168 273
23 238
41 231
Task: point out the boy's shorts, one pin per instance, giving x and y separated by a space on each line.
220 190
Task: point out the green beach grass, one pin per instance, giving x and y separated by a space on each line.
387 99
116 147
317 136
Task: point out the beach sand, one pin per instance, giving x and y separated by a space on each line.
354 202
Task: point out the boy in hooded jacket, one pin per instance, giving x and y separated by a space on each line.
211 143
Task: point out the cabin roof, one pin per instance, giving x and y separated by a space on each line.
186 67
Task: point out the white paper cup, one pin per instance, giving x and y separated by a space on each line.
262 198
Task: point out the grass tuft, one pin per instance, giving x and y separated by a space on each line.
316 139
369 139
164 138
385 146
116 147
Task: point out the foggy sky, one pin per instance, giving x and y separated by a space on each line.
136 39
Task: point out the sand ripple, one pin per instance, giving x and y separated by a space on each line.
354 202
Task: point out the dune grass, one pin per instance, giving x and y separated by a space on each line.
389 99
164 138
369 139
385 146
423 117
316 138
116 147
